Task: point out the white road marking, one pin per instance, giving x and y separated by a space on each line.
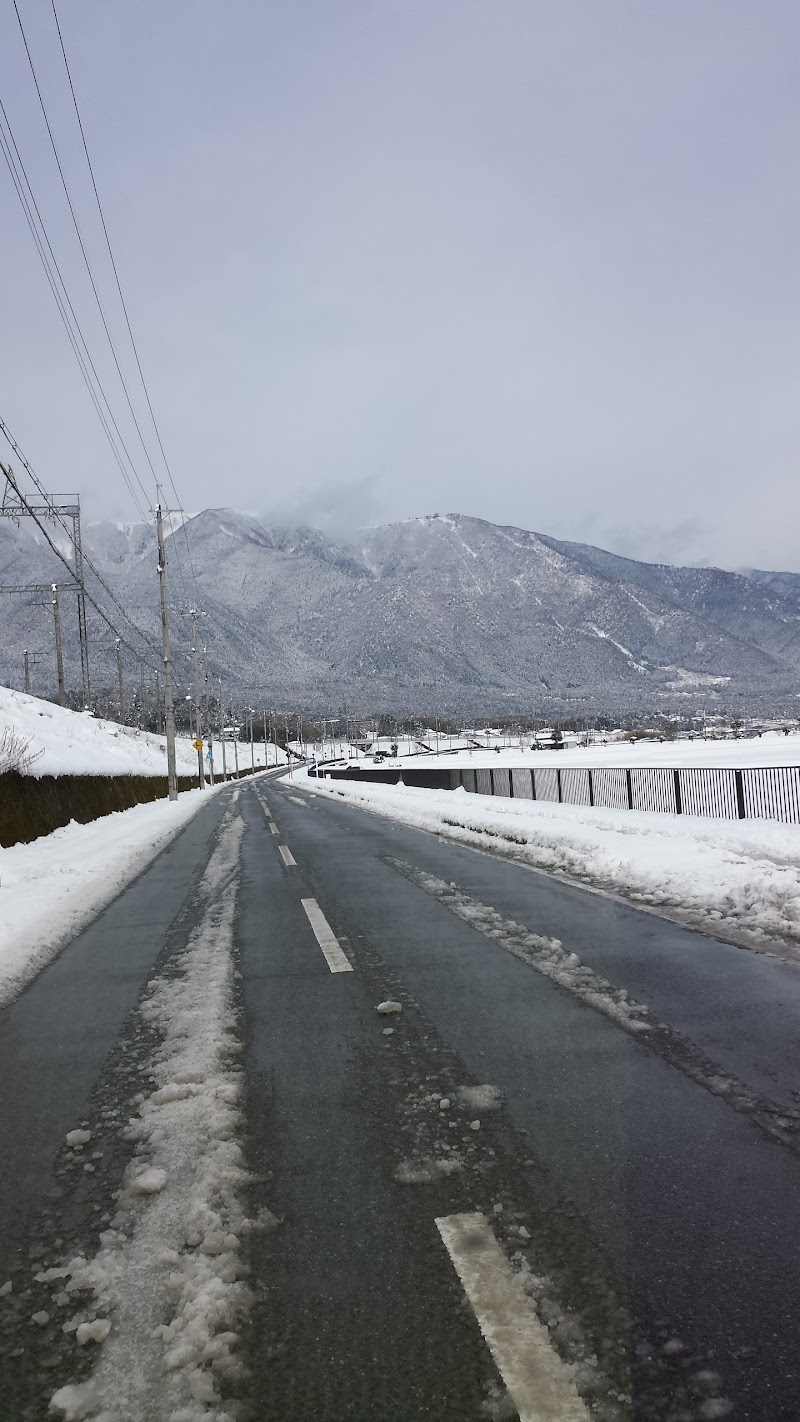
273 827
326 938
295 799
286 855
538 1382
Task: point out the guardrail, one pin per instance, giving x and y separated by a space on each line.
720 792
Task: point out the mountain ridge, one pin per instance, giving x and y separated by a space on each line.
442 612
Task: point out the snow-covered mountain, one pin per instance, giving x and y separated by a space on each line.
445 612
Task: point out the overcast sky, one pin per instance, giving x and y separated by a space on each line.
534 262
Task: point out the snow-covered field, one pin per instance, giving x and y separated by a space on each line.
66 742
773 748
728 878
52 888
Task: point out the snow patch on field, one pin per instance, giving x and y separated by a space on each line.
51 889
169 1275
713 874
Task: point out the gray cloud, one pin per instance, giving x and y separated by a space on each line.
531 262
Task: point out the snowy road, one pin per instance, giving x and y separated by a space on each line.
563 1160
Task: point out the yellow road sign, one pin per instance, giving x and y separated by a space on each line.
198 745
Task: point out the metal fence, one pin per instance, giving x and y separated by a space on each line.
721 792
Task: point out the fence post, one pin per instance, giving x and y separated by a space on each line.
558 782
591 789
533 783
739 780
491 779
676 775
630 788
510 784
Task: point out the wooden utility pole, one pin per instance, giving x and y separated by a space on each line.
62 696
27 662
169 708
120 682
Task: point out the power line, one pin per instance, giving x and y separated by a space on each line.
60 521
122 298
19 178
84 253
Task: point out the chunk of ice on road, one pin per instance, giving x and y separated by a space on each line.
6 1288
74 1402
150 1182
41 1318
480 1098
474 1125
94 1332
78 1138
389 1006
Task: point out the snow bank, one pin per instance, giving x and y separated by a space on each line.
52 888
76 743
721 876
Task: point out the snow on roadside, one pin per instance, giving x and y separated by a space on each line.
53 887
713 874
167 1283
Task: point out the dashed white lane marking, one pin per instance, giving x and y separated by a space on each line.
286 855
273 828
326 938
538 1382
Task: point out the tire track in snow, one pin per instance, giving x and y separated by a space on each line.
169 1278
550 958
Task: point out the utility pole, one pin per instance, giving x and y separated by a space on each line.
207 717
62 698
119 679
252 747
236 729
172 777
222 732
197 721
27 661
265 740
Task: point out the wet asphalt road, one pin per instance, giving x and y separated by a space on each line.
661 1226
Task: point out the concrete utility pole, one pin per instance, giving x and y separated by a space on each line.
252 746
120 681
169 709
222 732
236 729
265 740
207 717
197 721
62 696
27 662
